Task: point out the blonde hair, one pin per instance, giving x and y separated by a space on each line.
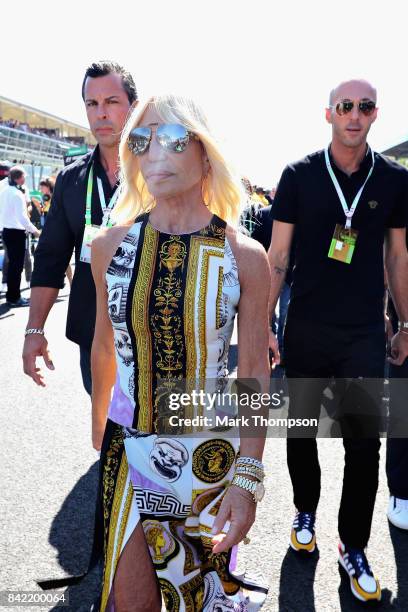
221 188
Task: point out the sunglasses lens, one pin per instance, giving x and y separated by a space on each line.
367 107
342 108
138 140
173 137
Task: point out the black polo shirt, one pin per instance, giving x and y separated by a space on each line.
63 233
324 289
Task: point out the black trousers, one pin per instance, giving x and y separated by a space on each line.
15 241
85 364
319 351
397 441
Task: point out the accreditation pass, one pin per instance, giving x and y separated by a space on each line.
90 233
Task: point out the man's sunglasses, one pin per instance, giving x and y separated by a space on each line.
367 107
173 137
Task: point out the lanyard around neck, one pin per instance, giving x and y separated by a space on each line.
106 209
349 212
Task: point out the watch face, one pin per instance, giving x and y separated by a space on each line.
259 492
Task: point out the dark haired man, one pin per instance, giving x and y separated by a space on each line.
84 195
104 68
15 223
345 203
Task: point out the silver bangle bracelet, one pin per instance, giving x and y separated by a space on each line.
250 461
34 330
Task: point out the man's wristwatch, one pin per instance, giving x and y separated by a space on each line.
34 330
403 325
256 488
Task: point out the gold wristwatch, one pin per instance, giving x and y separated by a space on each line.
255 487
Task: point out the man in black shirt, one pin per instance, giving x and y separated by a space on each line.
84 195
343 202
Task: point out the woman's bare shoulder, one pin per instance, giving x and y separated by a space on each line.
251 258
105 244
245 248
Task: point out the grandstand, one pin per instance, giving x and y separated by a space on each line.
399 151
38 140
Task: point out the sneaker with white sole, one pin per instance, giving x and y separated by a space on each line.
19 303
363 583
303 537
398 512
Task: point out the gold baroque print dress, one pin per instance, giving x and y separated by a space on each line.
172 300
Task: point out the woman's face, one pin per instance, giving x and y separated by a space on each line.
168 174
45 190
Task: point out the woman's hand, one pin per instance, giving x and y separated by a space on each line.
239 508
98 431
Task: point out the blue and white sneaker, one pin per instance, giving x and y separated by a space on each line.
363 583
303 537
398 512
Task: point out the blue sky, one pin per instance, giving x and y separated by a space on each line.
260 68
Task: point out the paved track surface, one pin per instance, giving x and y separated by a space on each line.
48 477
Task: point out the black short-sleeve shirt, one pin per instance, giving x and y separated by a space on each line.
325 289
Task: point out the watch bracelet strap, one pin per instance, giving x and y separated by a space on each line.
244 483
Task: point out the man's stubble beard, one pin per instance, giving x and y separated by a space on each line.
352 143
108 142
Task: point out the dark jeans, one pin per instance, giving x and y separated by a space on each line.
397 442
85 363
4 269
279 325
320 351
15 241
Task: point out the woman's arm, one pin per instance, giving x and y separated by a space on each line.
103 363
253 328
238 505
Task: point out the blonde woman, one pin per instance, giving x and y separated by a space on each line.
170 277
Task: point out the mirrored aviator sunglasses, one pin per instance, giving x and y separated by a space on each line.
367 107
173 137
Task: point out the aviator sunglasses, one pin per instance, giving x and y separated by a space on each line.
173 137
367 107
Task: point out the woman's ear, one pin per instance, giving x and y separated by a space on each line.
206 165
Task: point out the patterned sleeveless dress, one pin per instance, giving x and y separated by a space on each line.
172 301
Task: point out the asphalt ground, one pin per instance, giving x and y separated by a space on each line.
48 479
